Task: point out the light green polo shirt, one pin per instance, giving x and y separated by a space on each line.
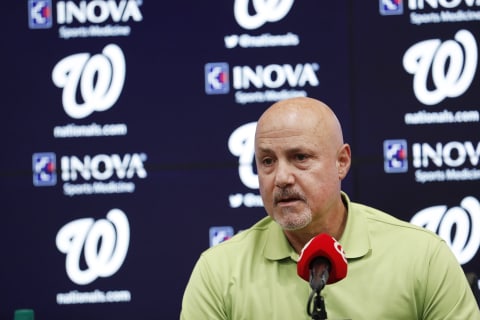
395 271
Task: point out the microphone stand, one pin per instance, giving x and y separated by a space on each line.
316 304
316 309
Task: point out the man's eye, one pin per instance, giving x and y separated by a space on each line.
267 161
301 157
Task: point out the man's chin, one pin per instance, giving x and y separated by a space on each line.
290 225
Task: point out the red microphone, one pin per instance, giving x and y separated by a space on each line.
322 261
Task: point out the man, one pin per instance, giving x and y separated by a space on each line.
395 270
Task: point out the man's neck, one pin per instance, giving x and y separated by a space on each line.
333 226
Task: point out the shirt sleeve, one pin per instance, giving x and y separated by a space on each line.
203 298
448 294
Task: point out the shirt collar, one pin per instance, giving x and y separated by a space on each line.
277 246
354 240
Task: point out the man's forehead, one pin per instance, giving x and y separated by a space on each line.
281 132
285 141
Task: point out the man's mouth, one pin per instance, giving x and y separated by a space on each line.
286 200
285 197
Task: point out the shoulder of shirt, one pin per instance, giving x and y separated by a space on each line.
380 217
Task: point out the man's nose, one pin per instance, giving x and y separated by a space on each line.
283 175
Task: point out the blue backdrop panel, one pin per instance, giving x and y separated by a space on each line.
128 134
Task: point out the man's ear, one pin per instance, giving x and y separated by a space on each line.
344 160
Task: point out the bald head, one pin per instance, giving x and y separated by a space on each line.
301 160
300 115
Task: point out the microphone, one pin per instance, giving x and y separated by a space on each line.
322 261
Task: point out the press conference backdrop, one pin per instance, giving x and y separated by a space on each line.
128 131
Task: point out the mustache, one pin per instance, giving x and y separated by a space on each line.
287 194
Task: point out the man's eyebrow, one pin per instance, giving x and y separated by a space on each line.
297 150
292 150
263 150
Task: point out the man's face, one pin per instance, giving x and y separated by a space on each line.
297 172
